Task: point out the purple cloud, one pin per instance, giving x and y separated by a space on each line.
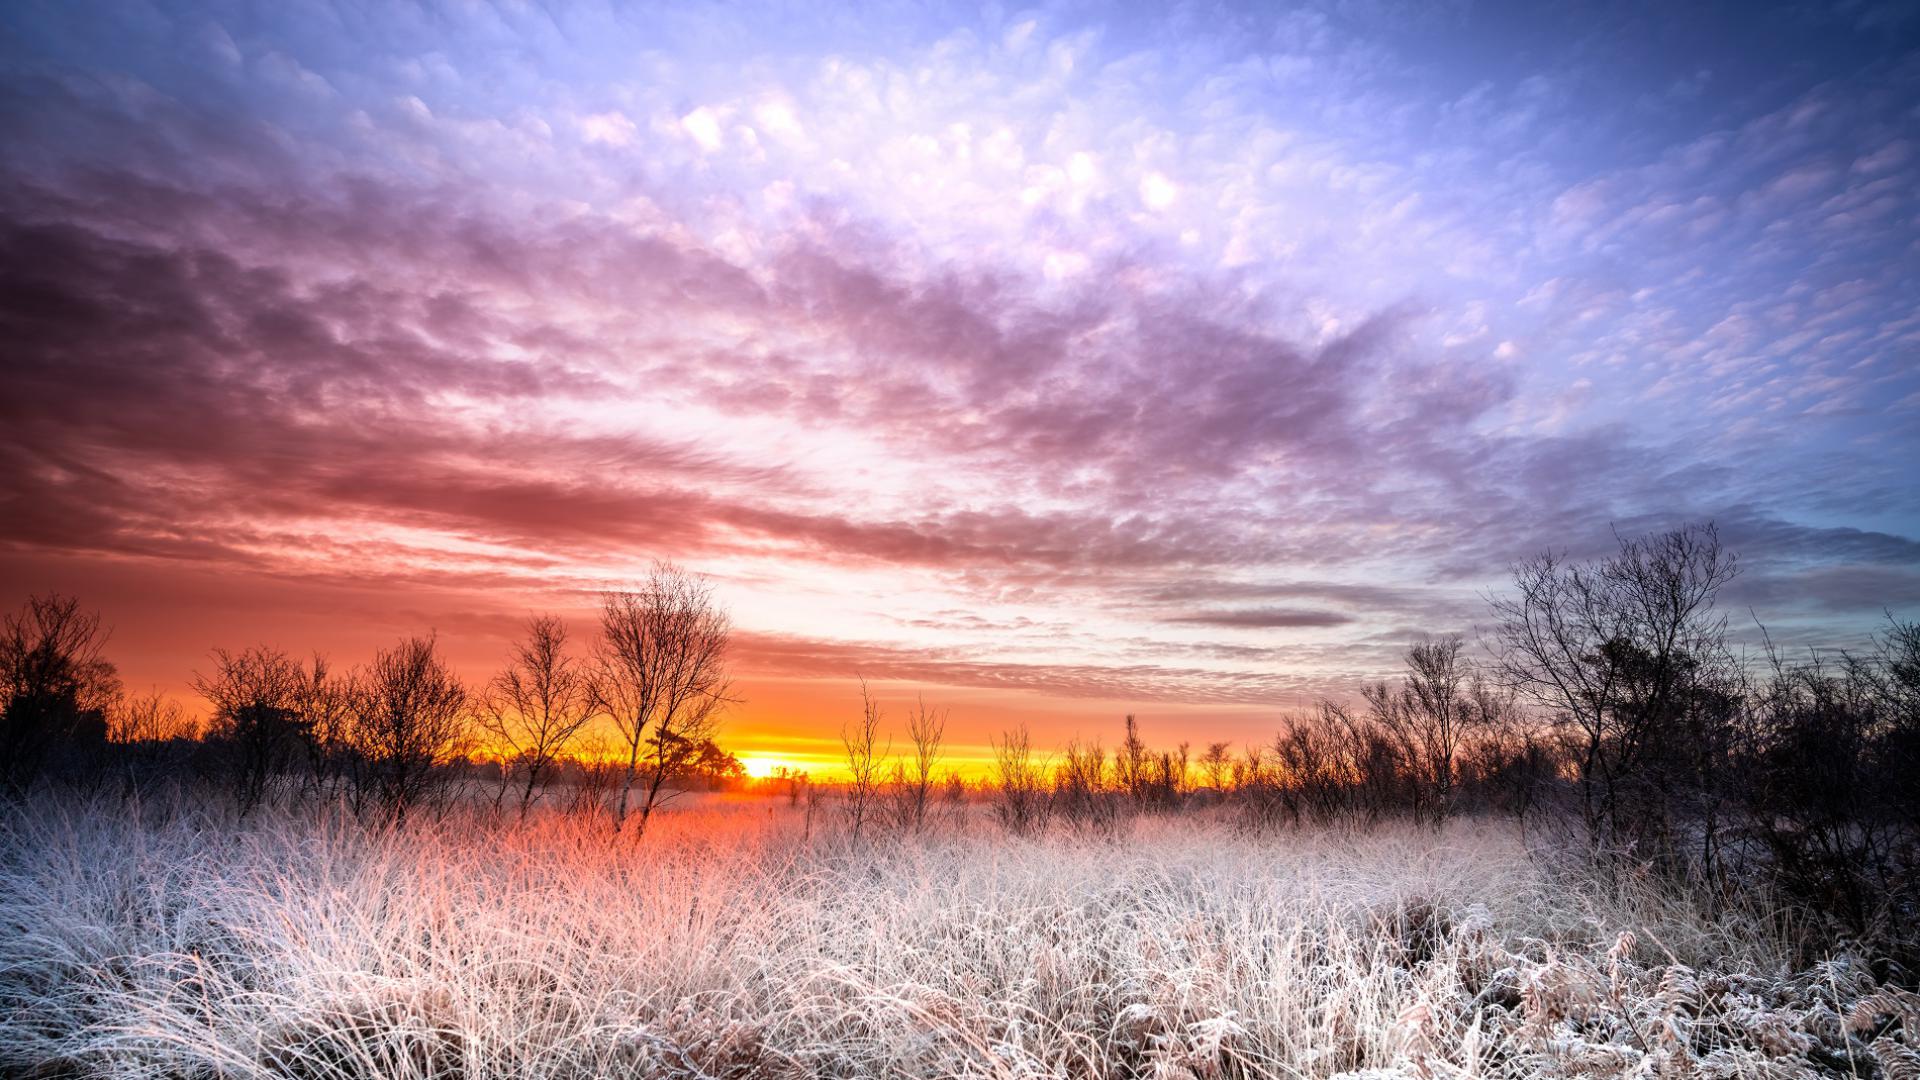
1169 356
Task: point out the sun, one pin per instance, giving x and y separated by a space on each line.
762 767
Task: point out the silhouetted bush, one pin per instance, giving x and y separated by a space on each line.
910 791
1832 792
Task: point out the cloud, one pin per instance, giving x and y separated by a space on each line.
321 372
612 128
1010 317
777 655
1776 594
1157 191
703 126
1264 618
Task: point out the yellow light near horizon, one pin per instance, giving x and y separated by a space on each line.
760 767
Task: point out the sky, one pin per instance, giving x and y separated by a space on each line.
1052 362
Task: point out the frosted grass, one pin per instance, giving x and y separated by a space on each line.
728 943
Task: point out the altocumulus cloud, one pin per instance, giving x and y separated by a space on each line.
1251 338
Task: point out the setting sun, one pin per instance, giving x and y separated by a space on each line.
761 767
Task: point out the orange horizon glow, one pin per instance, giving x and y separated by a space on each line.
163 630
764 767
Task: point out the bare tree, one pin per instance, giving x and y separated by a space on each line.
257 723
661 675
1313 765
1130 762
55 689
1080 794
150 718
1164 782
1829 788
535 707
1440 706
1022 805
864 757
1628 656
1250 768
408 719
1217 762
1261 793
324 702
151 736
914 779
1504 757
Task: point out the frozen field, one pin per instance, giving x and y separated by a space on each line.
730 944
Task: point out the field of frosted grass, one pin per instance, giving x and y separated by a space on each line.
728 943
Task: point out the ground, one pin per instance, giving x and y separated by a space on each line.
749 938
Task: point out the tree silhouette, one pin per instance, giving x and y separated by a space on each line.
257 721
536 706
55 689
408 716
660 674
1629 658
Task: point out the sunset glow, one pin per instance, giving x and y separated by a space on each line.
1261 539
763 768
1051 363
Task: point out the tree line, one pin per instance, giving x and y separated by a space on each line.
1610 712
1606 707
384 739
